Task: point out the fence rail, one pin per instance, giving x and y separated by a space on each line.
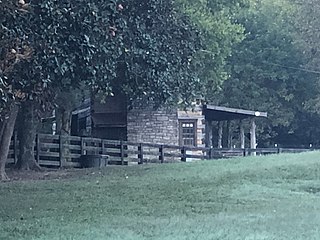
65 151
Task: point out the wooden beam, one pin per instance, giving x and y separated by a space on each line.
208 134
38 148
220 134
253 140
15 147
248 113
229 132
62 155
242 137
161 154
183 154
83 146
122 153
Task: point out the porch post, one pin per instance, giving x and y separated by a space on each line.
253 136
242 138
220 133
208 134
229 140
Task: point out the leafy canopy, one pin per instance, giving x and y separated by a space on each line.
50 45
143 49
159 44
264 73
220 32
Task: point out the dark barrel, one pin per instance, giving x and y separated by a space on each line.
94 161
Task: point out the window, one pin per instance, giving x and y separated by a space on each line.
188 133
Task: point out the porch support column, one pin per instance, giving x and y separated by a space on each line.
253 140
229 140
208 134
242 138
220 133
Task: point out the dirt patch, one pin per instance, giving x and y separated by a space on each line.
50 174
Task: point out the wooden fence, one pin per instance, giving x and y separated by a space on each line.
65 151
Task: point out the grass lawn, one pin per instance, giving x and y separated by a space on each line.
271 197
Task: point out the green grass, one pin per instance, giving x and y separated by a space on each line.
272 197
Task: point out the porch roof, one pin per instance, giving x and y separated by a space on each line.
217 113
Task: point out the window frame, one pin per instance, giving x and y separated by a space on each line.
181 138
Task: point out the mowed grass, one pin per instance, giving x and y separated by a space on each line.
270 197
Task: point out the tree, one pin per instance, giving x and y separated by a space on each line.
66 102
142 49
220 33
307 23
159 45
265 67
27 125
47 47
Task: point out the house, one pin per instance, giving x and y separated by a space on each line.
204 125
101 120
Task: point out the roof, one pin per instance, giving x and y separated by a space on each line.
217 113
83 107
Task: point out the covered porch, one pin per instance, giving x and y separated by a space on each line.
224 116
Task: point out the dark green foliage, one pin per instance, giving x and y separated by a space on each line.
158 49
66 42
220 33
143 49
307 23
264 73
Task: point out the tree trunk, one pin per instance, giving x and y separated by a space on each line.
58 117
63 120
6 130
27 130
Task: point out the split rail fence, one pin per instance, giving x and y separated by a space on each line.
65 151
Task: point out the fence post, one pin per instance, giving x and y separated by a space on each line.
245 153
161 154
38 148
140 153
103 149
62 157
15 147
122 152
101 142
184 154
82 147
210 153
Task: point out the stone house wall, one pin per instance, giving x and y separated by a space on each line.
153 126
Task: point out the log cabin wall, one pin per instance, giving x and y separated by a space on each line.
109 118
